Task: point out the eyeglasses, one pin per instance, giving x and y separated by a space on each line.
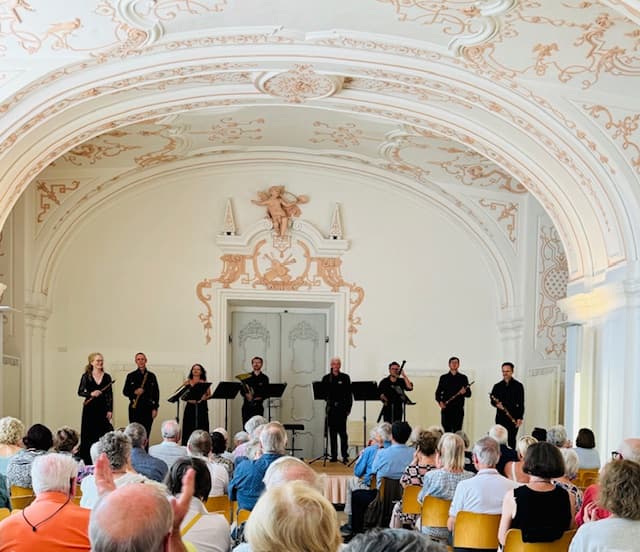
615 455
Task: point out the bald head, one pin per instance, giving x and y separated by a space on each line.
630 449
133 518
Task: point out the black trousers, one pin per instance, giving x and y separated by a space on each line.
142 415
503 420
451 419
337 422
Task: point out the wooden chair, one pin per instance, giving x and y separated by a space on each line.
373 483
243 515
513 543
586 478
410 504
220 505
21 497
476 530
4 513
435 512
78 496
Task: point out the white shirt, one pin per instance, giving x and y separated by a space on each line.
90 492
589 459
482 494
168 452
219 478
210 533
607 535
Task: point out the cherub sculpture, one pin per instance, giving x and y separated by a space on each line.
278 209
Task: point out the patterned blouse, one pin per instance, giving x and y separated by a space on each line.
571 489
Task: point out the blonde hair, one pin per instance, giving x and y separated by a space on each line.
451 451
11 431
88 367
293 517
524 443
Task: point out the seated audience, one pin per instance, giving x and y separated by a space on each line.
424 460
117 448
620 495
137 518
513 469
170 449
11 433
206 532
570 471
539 433
247 485
507 454
557 435
225 453
483 493
539 509
363 470
629 449
238 439
250 427
588 456
393 540
290 468
391 462
67 441
443 481
52 522
141 460
293 517
199 446
37 442
218 450
468 454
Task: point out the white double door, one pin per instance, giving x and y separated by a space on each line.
294 348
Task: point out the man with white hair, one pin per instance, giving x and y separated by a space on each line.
52 521
170 449
483 493
250 427
141 460
507 454
290 468
247 485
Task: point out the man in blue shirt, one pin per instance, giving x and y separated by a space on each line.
141 461
391 462
247 485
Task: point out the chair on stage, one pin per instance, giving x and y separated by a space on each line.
513 543
473 530
219 505
410 504
435 512
21 497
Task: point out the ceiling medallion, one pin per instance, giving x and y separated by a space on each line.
299 84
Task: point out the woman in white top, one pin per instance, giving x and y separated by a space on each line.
206 532
588 456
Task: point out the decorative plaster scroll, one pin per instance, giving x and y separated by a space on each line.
254 330
229 227
552 286
100 148
299 84
305 332
228 131
280 264
335 229
48 194
507 217
344 135
624 129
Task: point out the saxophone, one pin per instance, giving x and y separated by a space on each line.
144 380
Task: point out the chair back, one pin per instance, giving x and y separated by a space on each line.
4 512
374 482
243 515
513 543
410 504
473 530
435 512
584 478
21 497
78 496
220 505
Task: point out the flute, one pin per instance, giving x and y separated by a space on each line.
87 401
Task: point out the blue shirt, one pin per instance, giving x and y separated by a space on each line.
364 465
246 485
391 462
147 465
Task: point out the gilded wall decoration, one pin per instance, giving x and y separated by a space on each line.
50 194
282 207
299 84
102 147
623 128
270 266
552 286
506 216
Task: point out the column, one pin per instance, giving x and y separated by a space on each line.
36 315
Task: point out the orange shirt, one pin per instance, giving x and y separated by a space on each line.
66 530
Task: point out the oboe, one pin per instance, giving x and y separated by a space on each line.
144 380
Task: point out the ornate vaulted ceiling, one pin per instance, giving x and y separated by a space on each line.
477 101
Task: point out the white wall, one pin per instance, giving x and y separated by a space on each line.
126 282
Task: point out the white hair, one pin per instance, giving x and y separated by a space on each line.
53 473
487 451
290 468
499 433
170 429
94 451
273 438
254 422
571 462
557 435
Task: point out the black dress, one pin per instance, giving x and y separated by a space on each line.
541 516
94 414
196 416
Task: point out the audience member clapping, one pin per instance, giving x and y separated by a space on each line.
37 442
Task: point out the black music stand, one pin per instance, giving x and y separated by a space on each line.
226 390
364 391
175 398
272 391
321 393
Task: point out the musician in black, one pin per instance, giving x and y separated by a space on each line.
141 388
451 392
252 390
339 402
508 398
392 392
